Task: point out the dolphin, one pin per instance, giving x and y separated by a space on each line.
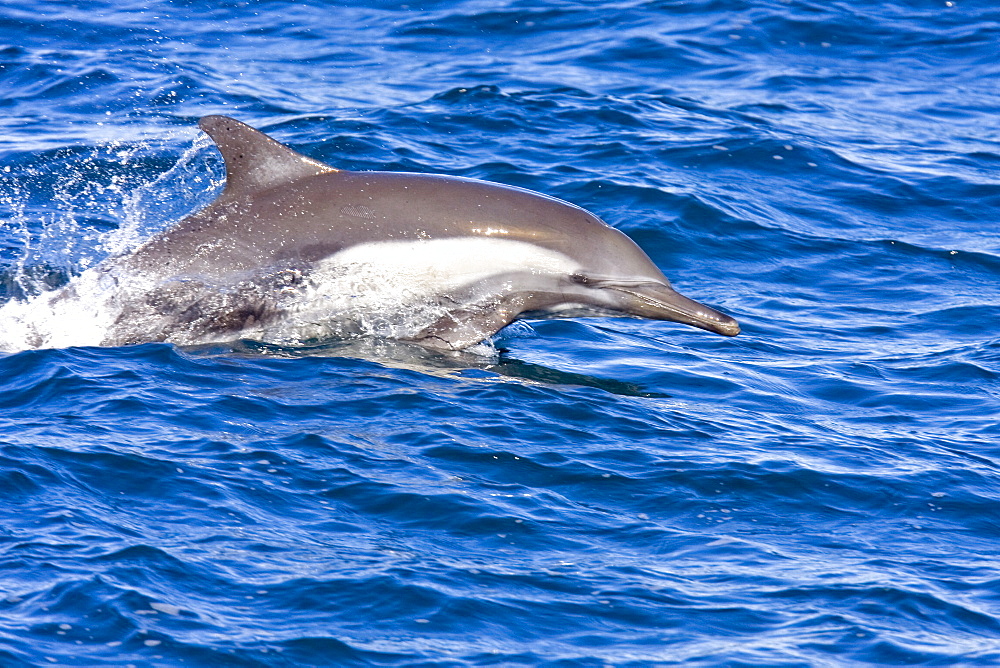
294 250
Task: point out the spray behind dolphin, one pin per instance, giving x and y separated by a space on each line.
294 250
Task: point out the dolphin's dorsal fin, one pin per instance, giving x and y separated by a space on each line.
254 161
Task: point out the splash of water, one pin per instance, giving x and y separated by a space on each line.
87 204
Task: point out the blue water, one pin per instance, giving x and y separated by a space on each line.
822 490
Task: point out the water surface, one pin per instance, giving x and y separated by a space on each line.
821 490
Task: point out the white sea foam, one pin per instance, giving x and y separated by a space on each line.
79 315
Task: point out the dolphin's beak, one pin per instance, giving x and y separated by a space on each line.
661 302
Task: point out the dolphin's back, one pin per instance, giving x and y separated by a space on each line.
318 215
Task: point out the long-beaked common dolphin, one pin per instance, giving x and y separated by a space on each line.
294 250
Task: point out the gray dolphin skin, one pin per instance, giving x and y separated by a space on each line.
481 254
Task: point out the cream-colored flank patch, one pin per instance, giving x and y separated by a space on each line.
435 266
395 289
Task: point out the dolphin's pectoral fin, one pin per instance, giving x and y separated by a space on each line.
468 325
254 161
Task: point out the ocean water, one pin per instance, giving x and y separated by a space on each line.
823 490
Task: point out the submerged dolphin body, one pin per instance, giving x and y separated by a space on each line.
294 250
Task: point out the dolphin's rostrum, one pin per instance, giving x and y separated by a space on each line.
294 250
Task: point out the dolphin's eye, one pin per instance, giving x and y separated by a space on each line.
581 279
